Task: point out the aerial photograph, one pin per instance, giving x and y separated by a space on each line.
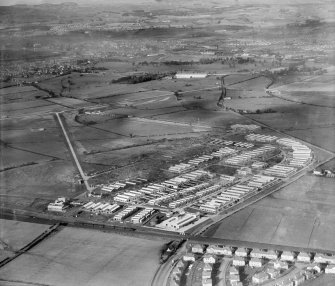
167 143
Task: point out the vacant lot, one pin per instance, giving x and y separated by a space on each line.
87 258
302 214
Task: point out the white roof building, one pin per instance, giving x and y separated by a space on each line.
330 269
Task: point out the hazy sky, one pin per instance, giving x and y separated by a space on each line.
34 2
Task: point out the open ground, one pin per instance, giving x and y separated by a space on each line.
86 257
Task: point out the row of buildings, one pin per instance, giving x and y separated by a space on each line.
193 163
101 207
248 156
261 138
116 186
301 154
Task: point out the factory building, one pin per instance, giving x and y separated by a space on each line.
261 138
190 75
125 213
142 215
177 222
59 205
247 156
245 127
224 152
181 168
280 171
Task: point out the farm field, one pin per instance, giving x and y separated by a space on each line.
253 104
87 258
301 214
300 120
17 234
222 119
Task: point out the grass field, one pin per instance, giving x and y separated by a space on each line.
302 214
85 257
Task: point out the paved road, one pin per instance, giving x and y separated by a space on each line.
163 272
74 155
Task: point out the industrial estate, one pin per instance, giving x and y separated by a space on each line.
167 143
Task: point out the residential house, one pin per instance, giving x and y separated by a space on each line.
189 257
255 262
241 252
286 282
304 257
239 261
197 248
260 277
330 269
213 249
287 256
206 274
207 267
227 251
233 278
209 259
280 264
298 279
273 273
233 271
207 282
323 258
309 274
